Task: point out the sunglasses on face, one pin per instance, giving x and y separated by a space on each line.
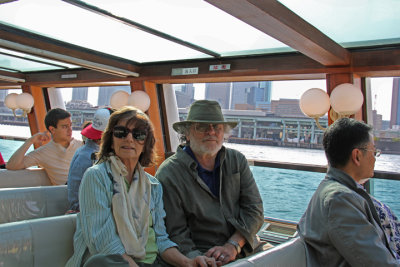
122 132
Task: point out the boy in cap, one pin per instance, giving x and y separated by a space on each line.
212 202
85 156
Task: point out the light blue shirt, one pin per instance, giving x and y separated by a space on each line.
80 162
95 226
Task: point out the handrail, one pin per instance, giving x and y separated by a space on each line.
316 168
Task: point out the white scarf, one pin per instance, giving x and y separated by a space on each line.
131 210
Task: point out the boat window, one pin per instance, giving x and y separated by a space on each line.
13 130
269 117
82 102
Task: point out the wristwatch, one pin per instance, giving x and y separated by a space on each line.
235 244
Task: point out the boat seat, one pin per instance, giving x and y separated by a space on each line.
32 202
291 253
37 243
23 178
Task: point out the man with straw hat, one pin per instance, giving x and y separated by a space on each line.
212 202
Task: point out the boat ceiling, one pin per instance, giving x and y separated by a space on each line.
146 39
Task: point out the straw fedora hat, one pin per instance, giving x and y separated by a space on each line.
203 111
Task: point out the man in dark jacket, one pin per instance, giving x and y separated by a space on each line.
212 202
341 226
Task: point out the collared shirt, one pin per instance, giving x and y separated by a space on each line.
95 226
210 178
389 222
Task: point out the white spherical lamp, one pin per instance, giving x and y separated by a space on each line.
140 100
25 102
314 103
11 101
119 99
346 99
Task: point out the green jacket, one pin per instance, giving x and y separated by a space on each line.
197 220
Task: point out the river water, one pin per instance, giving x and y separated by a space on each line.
286 193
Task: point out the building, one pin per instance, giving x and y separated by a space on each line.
286 108
105 93
184 94
219 92
395 111
241 95
80 93
3 94
377 120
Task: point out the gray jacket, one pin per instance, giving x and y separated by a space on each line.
197 220
341 227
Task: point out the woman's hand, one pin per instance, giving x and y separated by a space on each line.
131 262
223 254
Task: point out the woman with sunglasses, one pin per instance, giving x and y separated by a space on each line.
121 219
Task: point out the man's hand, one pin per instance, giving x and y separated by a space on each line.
203 261
223 254
40 138
16 162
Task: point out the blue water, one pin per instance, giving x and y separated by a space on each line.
285 193
8 147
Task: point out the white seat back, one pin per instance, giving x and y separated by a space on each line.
32 202
37 243
23 178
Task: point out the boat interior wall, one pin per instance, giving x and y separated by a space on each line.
291 253
38 242
19 204
23 178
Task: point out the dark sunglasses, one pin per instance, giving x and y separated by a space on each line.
122 132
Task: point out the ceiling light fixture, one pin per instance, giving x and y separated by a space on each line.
346 99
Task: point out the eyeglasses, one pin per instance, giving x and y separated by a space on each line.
122 132
377 152
205 127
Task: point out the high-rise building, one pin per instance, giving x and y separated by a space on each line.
377 120
3 94
184 94
105 93
395 111
80 93
249 95
240 95
219 92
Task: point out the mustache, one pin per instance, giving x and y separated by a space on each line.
210 139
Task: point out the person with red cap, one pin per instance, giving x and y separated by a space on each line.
85 155
2 162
